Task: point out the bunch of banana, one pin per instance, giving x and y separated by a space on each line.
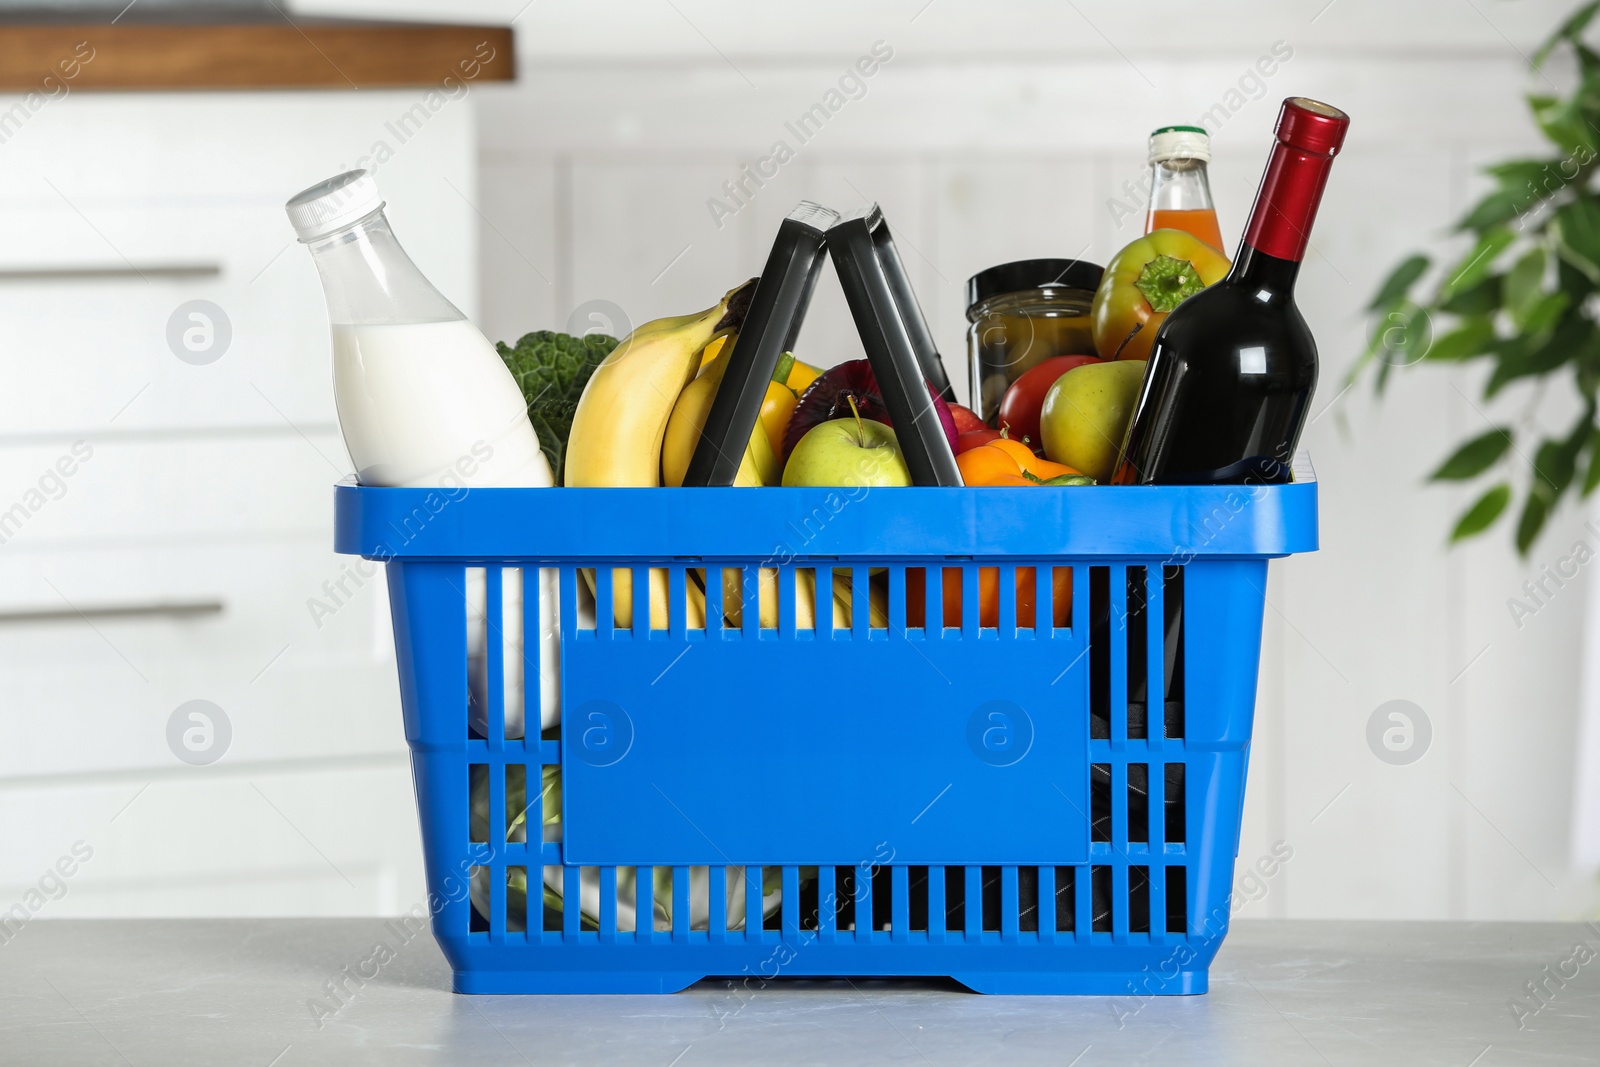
638 423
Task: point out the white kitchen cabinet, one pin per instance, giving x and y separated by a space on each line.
180 559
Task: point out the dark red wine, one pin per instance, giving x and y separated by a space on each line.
1232 369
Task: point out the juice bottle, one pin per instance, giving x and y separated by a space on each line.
1180 194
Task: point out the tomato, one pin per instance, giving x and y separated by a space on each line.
1019 409
989 596
971 439
1144 282
966 419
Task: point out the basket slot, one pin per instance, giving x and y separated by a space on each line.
680 903
476 923
993 908
863 887
1136 633
1119 807
605 579
936 904
755 898
910 893
897 599
1173 617
709 581
971 600
717 917
844 897
517 894
644 606
471 585
789 903
1176 806
749 603
883 897
1008 621
1010 919
933 599
1029 881
478 820
766 599
827 900
518 802
495 640
1177 899
805 585
861 603
1102 890
972 893
1139 803
843 593
1138 899
806 902
1099 654
1118 641
1100 802
551 918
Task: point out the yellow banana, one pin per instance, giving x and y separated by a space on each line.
759 464
622 417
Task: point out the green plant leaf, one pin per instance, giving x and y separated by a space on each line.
1569 30
1476 264
1544 313
1563 123
1474 457
1480 299
1516 175
1484 511
1499 206
1534 511
1572 340
1576 228
1592 479
1473 337
1399 281
1524 281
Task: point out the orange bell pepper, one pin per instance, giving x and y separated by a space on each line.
1145 281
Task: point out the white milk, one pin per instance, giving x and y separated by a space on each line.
431 405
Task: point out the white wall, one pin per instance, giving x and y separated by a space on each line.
1002 133
995 131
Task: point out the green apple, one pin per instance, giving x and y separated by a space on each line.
847 452
1086 412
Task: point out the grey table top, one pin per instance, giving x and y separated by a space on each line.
239 991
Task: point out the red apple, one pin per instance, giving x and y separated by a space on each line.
966 419
827 398
1020 407
973 438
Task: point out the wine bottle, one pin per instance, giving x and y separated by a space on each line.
1233 367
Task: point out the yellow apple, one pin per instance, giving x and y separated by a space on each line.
1085 415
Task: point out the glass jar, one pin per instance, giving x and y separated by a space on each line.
1023 313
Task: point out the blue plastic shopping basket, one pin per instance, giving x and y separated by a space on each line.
1041 795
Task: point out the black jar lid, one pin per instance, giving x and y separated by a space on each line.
1033 274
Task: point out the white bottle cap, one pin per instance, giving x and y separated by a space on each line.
333 204
1180 142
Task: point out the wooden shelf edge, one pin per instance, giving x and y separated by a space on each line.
51 59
